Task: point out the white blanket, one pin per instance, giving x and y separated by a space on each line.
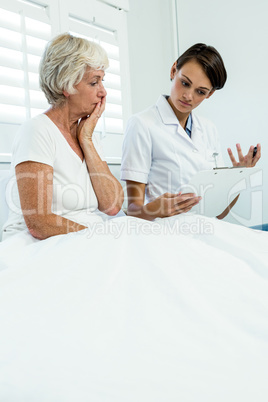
132 311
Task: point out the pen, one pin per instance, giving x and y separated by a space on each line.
254 152
215 154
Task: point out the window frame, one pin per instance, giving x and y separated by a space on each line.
100 14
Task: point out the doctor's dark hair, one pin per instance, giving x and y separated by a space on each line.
209 59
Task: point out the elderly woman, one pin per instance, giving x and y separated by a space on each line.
62 180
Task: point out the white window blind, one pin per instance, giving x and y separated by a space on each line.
120 4
112 119
23 35
25 28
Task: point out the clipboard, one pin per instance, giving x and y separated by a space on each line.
218 188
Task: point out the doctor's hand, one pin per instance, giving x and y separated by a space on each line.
173 204
87 124
161 207
247 160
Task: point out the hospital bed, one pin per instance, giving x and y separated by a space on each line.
133 311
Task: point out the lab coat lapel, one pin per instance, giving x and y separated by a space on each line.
168 117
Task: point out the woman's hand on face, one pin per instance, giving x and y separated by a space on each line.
173 204
87 124
247 160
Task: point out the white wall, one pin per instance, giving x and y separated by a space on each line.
239 30
151 49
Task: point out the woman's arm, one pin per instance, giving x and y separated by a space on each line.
35 185
107 188
164 206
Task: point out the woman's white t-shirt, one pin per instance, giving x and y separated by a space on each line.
40 140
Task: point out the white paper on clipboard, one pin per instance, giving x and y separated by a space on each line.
218 188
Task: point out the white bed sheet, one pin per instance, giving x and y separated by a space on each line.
136 314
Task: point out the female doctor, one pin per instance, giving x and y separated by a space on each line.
167 144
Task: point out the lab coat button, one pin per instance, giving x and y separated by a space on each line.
195 150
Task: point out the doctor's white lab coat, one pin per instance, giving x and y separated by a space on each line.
158 152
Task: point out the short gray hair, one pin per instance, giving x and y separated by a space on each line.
64 64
